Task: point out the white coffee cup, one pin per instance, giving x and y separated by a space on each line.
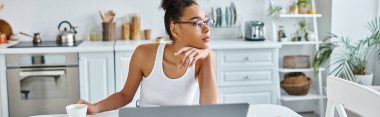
76 110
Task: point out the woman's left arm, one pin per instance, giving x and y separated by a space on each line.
207 81
206 75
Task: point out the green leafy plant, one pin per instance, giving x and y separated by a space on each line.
351 59
304 3
273 10
302 26
302 29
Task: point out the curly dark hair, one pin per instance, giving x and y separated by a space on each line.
173 11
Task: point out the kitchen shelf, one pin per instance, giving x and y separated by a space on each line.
300 15
301 43
310 96
291 48
286 70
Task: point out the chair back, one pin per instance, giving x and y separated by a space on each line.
360 99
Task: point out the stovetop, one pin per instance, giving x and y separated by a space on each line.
45 44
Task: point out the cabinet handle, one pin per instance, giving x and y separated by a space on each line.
246 77
42 73
248 58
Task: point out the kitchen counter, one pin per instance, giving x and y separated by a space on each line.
120 45
96 46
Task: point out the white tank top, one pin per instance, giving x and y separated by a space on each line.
159 90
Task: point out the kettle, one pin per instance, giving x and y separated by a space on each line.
67 35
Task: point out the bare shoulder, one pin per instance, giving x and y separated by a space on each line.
145 50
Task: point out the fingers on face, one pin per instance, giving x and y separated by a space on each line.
195 59
189 55
190 58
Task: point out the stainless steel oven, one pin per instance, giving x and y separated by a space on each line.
41 83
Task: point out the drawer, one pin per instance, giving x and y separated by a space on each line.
251 95
241 77
253 57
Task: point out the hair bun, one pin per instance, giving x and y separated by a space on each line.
165 4
176 4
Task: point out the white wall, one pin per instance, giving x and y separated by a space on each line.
349 18
44 15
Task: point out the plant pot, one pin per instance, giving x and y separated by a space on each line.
310 36
365 79
302 9
293 9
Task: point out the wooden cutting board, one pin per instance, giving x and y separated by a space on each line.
5 28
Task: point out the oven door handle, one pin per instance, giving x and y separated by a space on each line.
42 73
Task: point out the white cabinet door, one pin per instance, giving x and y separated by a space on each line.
122 69
3 88
246 77
97 79
251 95
122 60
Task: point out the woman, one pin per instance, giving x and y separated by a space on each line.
170 73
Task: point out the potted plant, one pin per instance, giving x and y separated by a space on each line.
302 30
303 6
274 11
351 60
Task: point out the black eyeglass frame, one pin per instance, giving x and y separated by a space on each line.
196 23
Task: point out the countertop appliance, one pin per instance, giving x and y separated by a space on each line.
254 31
40 84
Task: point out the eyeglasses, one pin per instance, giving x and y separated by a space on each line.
198 23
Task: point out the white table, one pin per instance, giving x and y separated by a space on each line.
260 110
377 88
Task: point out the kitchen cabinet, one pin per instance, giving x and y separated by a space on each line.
248 94
3 88
247 75
97 75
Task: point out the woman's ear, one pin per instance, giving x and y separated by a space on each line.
174 30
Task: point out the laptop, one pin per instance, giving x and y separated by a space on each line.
217 110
